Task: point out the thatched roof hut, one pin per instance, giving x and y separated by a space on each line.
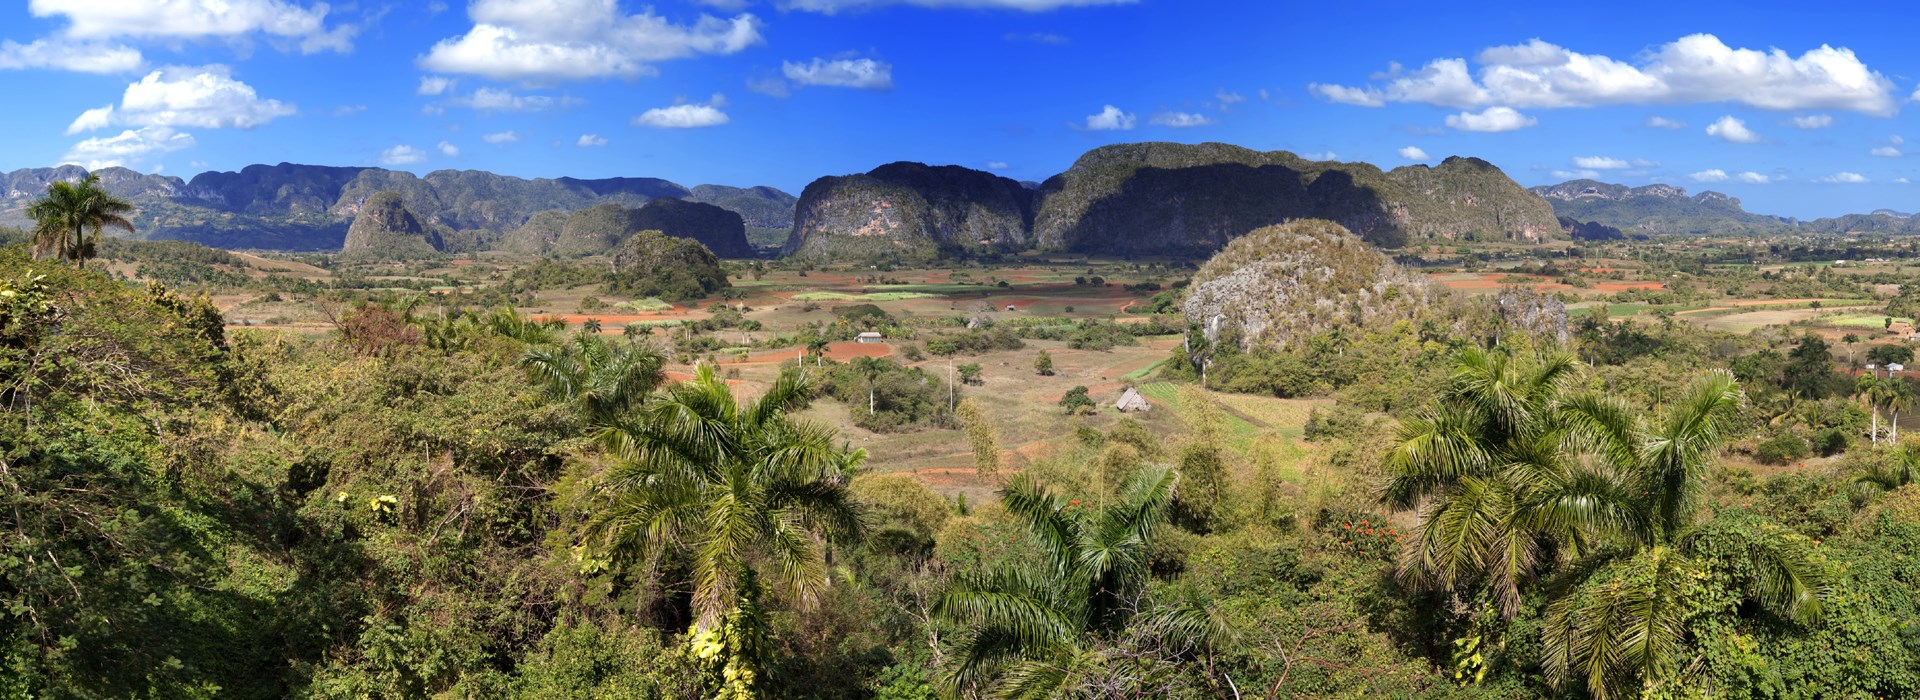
1131 401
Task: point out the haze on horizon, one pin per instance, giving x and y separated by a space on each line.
1796 111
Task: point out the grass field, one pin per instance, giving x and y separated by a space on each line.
871 296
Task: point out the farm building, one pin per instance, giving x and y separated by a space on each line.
870 337
1132 402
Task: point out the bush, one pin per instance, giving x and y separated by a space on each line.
1781 448
1831 441
912 353
970 374
1076 399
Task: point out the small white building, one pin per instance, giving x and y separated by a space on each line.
1132 402
870 337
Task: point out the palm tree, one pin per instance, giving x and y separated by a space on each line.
1866 388
871 368
1025 624
818 348
70 217
1512 465
1896 471
731 486
1898 395
507 322
603 380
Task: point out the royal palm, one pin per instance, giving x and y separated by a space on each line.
70 217
1515 472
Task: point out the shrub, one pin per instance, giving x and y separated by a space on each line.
1076 399
1782 448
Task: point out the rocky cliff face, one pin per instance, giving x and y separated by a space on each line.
1657 209
1280 283
384 228
305 207
599 229
911 210
1159 199
653 264
1166 198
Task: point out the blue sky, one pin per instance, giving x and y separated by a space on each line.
1800 112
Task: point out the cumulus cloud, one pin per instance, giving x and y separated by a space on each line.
1110 118
685 116
1576 174
1320 155
1693 69
1885 152
1731 129
1752 177
1813 121
1712 175
449 150
590 141
195 19
402 155
834 6
857 73
59 54
1665 123
500 137
1227 100
579 39
207 97
129 146
1493 120
1845 178
1180 120
1413 153
997 165
434 85
1600 163
1900 180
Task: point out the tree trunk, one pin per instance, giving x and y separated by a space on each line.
1875 431
869 397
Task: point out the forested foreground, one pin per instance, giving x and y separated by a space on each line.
485 507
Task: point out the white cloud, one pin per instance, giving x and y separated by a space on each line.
857 73
1180 120
206 97
500 137
1493 120
590 141
449 150
1896 140
1665 123
579 39
1813 121
1754 178
834 6
1693 69
1900 180
498 100
1413 153
194 19
1713 175
434 85
771 87
129 146
1110 118
1732 129
1600 163
997 165
1577 174
80 57
402 155
1644 163
1228 99
1885 152
1320 155
1844 178
685 116
348 110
